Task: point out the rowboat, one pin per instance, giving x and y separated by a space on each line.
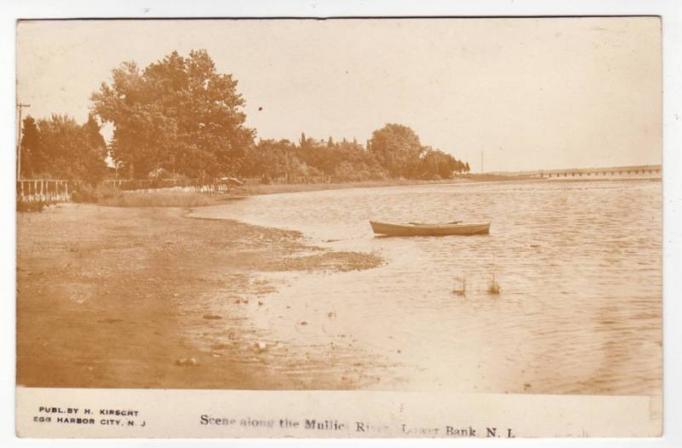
423 229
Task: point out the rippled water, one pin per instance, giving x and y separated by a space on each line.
579 265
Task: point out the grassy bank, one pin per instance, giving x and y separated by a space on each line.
108 196
293 188
110 296
164 199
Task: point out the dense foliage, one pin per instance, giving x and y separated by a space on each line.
60 148
178 114
178 117
312 161
399 150
390 155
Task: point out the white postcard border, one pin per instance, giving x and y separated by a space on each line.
670 10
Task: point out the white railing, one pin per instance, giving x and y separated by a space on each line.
43 190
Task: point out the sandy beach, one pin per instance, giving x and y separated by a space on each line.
99 287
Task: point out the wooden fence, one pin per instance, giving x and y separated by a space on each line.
142 185
43 190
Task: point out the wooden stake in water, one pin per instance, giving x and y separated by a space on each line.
494 287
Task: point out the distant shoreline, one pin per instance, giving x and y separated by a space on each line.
263 189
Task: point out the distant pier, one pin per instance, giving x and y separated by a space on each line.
640 171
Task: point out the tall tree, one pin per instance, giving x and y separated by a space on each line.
32 156
178 113
397 148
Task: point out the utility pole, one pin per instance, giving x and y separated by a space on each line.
481 162
20 106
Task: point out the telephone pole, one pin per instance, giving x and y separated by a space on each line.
482 162
20 106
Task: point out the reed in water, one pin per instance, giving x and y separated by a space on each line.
494 287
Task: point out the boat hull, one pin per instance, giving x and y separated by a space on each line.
387 229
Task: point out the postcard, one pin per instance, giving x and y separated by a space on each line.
339 228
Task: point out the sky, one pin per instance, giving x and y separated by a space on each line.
527 94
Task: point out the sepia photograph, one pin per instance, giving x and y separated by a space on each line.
392 205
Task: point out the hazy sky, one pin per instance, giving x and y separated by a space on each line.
529 93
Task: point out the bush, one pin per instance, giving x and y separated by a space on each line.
88 193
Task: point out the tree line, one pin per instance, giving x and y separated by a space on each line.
179 117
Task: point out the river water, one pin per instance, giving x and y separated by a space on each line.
578 264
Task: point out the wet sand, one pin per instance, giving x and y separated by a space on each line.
99 292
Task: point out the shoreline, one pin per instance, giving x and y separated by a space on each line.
264 189
107 295
150 297
177 197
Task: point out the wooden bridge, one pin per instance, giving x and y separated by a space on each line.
640 171
620 171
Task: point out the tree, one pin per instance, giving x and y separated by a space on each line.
61 148
438 165
313 160
32 158
269 159
398 149
178 113
94 151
